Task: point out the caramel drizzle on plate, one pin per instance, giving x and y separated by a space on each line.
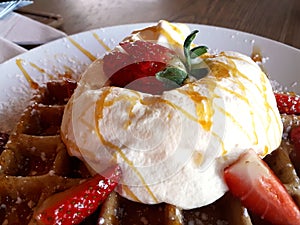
35 85
101 42
82 49
31 82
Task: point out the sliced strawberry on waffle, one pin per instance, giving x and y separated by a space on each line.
251 180
132 61
75 204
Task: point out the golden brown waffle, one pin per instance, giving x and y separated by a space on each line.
35 164
227 210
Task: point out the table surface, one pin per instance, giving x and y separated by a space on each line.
275 19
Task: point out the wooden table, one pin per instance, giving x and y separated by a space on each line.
275 19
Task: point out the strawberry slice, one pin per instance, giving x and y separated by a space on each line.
251 180
75 204
288 103
148 85
137 60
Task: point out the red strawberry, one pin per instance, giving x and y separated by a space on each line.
148 51
288 103
295 135
75 204
137 60
250 179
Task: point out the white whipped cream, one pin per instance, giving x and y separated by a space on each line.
173 148
164 33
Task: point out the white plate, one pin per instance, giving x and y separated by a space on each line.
282 62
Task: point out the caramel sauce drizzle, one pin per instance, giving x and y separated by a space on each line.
41 70
268 108
183 111
130 115
203 106
231 117
68 73
131 99
101 42
83 50
211 84
31 82
222 69
197 158
130 193
230 70
100 104
168 36
224 151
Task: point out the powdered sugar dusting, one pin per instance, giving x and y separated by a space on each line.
10 110
16 90
42 64
278 87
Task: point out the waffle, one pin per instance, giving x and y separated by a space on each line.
35 164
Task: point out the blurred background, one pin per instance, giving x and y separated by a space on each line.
275 19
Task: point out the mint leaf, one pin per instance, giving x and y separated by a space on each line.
176 75
186 48
172 74
197 51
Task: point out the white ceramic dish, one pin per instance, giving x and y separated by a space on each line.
75 53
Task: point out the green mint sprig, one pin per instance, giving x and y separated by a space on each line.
176 74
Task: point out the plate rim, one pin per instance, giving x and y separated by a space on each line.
144 24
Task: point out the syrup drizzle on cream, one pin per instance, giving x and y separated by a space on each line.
220 68
203 106
223 70
98 116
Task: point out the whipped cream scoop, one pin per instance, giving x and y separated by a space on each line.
173 147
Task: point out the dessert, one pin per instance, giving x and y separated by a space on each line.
100 115
115 125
